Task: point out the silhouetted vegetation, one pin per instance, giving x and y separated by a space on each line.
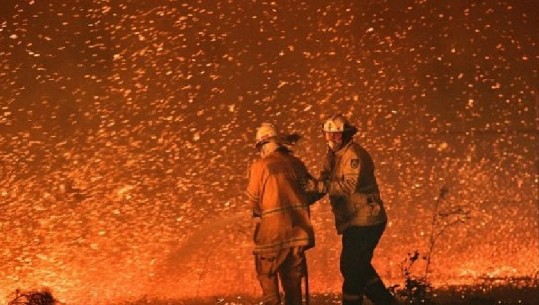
416 288
33 297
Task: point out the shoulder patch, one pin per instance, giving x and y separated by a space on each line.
354 163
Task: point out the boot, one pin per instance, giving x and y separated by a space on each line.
352 299
378 294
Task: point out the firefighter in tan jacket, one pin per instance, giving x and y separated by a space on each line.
280 208
348 178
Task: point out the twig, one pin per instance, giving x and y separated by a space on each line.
443 192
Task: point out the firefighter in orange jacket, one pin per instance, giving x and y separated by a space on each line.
281 211
348 178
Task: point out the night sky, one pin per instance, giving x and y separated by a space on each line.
127 128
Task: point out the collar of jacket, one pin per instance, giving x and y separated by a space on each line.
341 151
269 148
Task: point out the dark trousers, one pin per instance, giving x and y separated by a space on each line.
286 265
360 277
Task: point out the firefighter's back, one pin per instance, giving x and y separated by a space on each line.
285 211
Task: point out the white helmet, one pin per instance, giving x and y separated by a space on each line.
338 123
265 133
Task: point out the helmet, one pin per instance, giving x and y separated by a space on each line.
265 133
338 123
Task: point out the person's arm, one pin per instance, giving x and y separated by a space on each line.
348 179
253 192
253 196
325 174
315 189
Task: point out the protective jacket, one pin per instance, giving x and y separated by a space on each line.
278 199
352 188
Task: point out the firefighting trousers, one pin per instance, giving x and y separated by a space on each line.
360 277
287 266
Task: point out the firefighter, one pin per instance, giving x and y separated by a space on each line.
280 207
348 178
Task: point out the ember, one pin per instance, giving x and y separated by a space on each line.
126 131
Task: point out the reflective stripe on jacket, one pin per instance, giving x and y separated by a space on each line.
353 190
277 197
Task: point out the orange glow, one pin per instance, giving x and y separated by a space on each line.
127 128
